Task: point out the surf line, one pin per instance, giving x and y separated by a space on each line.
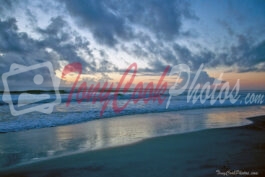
154 93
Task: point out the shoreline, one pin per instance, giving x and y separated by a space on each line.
27 147
125 115
198 153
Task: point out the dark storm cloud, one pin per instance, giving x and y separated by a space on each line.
17 47
6 5
99 19
58 37
148 30
226 26
159 54
163 19
245 55
112 20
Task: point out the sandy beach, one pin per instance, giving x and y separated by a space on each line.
210 152
99 88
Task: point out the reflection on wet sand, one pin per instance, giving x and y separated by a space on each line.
22 147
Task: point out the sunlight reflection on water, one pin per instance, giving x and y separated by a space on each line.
26 146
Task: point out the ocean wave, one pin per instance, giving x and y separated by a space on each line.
77 112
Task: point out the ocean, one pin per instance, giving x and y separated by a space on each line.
85 110
85 129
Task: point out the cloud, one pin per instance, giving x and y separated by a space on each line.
226 26
111 21
103 23
19 48
151 32
201 79
57 45
5 6
244 56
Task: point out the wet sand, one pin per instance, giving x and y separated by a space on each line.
202 153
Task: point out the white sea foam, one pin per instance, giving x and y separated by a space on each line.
87 110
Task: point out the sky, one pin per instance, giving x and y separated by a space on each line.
106 36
